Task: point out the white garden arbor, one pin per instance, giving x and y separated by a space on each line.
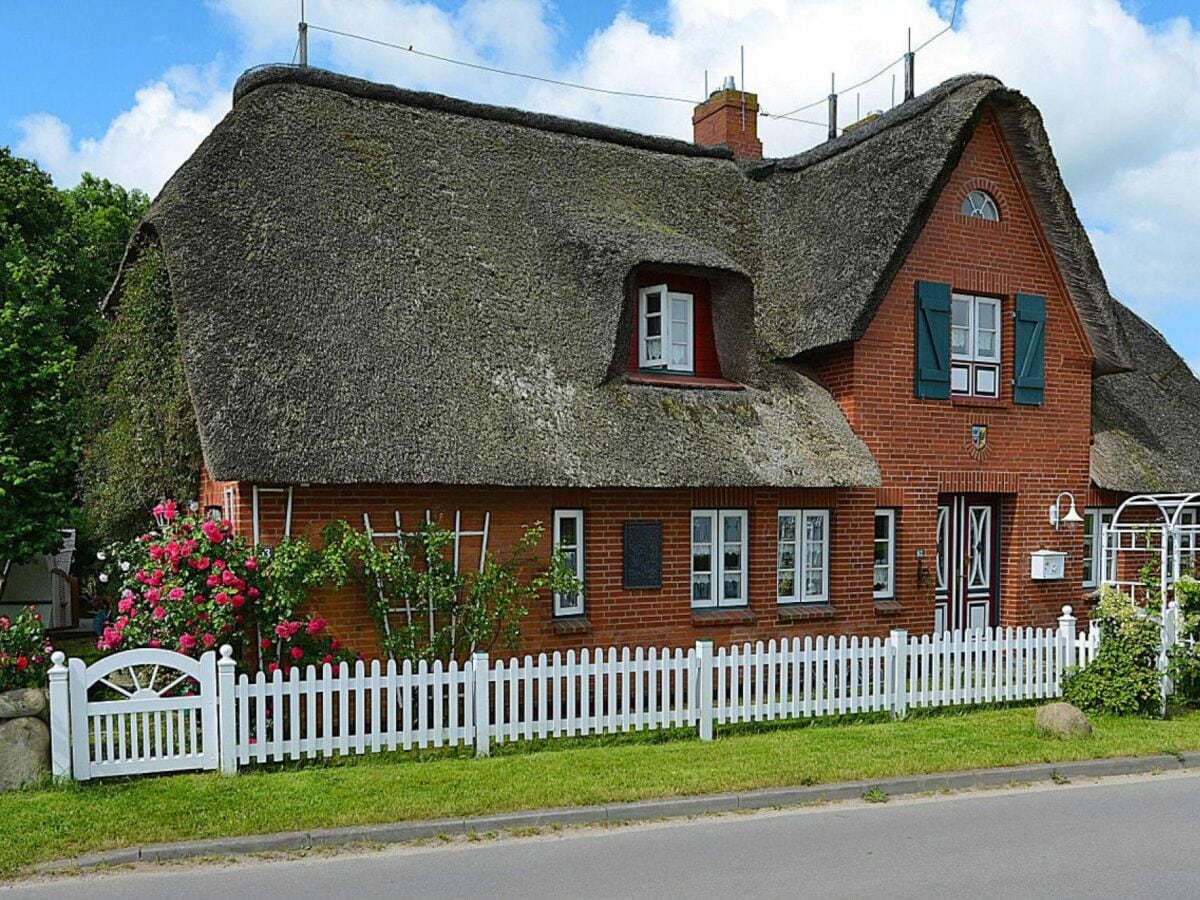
1153 534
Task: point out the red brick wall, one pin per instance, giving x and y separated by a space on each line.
924 446
616 616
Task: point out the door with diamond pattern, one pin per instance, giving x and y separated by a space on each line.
966 572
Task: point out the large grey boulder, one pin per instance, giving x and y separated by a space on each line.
24 702
1062 720
24 752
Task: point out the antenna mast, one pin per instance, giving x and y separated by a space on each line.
303 28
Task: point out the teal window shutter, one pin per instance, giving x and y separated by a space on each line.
933 340
1029 336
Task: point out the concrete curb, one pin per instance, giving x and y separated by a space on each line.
642 810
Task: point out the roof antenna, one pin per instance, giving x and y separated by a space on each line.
893 90
743 87
303 38
832 106
909 75
706 84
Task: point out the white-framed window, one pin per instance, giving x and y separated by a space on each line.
720 555
975 345
568 540
980 205
1094 522
802 557
884 570
666 330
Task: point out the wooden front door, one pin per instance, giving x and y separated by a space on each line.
968 536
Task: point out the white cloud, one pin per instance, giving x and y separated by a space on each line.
144 144
1121 99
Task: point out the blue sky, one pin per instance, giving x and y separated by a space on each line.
127 89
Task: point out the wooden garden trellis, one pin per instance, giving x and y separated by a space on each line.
398 536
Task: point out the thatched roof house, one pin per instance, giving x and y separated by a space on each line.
381 287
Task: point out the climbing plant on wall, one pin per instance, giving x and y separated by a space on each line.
141 442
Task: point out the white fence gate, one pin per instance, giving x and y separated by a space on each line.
156 712
233 720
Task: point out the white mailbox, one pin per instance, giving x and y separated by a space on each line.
1048 565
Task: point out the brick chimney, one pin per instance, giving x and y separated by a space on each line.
722 119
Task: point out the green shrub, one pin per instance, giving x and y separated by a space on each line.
1123 680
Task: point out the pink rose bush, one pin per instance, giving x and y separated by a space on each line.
302 642
24 651
182 586
191 585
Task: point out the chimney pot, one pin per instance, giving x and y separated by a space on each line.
729 116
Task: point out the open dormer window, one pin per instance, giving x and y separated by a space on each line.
677 319
666 329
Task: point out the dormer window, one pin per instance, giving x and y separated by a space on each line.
980 205
672 336
666 329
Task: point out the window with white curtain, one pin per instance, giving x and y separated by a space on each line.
720 544
802 556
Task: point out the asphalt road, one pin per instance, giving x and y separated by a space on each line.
1120 838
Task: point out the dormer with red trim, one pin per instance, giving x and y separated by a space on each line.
673 341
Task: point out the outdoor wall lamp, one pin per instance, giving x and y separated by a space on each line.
1072 518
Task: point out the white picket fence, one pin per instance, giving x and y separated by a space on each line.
236 720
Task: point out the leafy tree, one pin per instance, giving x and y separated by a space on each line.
59 251
37 435
101 218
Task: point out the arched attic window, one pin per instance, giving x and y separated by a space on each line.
980 205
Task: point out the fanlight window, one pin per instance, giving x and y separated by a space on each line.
980 205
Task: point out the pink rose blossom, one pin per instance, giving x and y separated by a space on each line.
186 642
213 531
176 593
297 653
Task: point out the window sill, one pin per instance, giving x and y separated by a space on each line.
702 618
804 612
571 625
980 402
698 382
888 606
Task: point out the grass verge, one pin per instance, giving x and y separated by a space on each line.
54 822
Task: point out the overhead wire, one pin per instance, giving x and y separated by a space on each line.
497 71
789 116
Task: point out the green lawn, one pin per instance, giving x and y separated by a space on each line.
55 822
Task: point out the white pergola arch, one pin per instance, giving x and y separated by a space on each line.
1169 533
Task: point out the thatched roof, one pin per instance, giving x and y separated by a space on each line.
377 285
1147 421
